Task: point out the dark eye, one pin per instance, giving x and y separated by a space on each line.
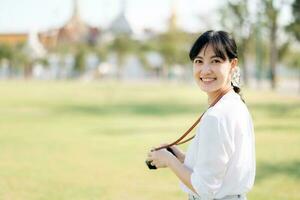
216 61
197 61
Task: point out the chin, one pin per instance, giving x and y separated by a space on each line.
207 89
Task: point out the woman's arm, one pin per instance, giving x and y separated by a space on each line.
179 153
163 158
181 171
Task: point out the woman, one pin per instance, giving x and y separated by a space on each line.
220 160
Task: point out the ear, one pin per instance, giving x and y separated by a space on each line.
233 64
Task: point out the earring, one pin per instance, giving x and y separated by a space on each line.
236 77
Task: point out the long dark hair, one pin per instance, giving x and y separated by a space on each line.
223 45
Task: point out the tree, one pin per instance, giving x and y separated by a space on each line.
174 46
272 17
17 58
6 53
122 45
79 64
294 27
236 16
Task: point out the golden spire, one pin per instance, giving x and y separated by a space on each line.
173 17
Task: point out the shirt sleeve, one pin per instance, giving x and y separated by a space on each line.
214 151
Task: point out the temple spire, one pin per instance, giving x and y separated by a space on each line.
173 17
123 6
75 10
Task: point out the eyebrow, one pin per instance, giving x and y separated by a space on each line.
214 56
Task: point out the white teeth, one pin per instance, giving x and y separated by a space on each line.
207 79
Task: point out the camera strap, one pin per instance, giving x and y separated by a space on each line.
178 141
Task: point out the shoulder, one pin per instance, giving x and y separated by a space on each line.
229 107
227 115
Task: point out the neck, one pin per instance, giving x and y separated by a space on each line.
214 95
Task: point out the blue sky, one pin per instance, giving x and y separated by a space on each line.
23 15
26 15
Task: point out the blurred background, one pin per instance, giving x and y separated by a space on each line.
89 86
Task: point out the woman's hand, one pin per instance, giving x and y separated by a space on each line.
160 158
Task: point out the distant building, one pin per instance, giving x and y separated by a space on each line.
13 38
74 30
120 24
173 20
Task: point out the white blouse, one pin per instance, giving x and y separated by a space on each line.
222 154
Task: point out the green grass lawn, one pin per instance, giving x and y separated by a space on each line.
88 141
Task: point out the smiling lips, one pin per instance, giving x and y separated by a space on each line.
208 80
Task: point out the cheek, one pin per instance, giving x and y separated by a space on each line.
229 74
196 70
225 72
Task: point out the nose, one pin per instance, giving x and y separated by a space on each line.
206 69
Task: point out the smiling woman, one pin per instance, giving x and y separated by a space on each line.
220 161
215 62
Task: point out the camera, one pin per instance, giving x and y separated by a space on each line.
148 162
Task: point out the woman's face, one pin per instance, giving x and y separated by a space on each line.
211 72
